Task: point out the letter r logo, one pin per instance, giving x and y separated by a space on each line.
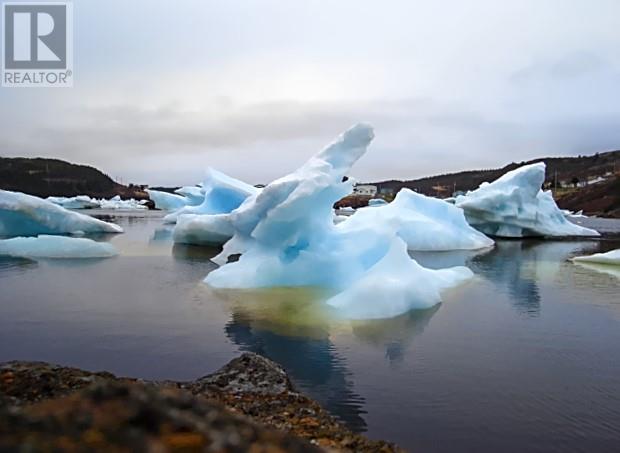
35 36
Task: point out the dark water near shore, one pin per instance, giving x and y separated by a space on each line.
525 358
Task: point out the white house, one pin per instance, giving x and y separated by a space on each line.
365 189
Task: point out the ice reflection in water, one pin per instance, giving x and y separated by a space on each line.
292 327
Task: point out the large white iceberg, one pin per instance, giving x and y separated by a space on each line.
167 201
515 206
221 194
27 215
55 247
424 223
611 257
287 237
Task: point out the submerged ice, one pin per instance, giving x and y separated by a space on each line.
55 247
27 215
515 206
287 237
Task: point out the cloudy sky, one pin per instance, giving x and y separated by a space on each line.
164 89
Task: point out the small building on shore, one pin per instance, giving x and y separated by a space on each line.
365 189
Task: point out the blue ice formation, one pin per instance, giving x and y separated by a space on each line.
287 237
55 247
424 223
194 195
374 202
167 201
27 215
220 193
515 206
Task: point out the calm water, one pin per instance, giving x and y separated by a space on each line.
526 358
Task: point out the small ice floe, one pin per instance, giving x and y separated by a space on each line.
27 215
55 247
612 257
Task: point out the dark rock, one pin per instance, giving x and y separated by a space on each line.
248 374
53 408
124 416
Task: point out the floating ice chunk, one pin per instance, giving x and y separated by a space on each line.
79 202
221 195
515 206
346 210
167 201
26 215
611 257
374 202
55 247
195 195
424 223
577 215
286 237
399 283
122 205
196 229
85 202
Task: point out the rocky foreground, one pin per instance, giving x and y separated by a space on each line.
248 405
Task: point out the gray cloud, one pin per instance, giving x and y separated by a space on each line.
254 88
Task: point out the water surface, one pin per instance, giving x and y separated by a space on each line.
523 358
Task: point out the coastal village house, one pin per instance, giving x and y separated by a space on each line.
365 189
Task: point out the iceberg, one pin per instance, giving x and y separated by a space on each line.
167 201
85 202
27 215
400 283
195 229
287 238
221 194
424 223
194 195
79 202
123 205
55 247
611 257
373 202
515 206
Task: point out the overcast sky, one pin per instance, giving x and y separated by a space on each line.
164 89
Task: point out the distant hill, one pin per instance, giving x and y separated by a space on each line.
602 199
53 177
566 174
562 168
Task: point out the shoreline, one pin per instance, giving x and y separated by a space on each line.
249 404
